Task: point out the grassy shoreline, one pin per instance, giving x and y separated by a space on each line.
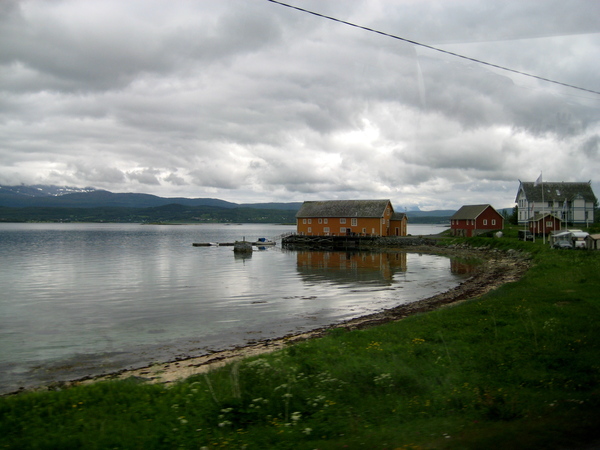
517 367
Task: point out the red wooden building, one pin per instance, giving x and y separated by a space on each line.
544 224
471 220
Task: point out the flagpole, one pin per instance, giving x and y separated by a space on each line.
539 181
530 217
543 213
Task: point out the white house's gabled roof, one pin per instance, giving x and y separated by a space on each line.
343 208
553 191
468 212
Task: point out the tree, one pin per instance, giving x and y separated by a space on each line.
512 218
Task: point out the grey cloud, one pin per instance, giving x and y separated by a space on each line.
468 21
96 173
236 31
175 179
591 147
218 175
252 101
61 51
144 176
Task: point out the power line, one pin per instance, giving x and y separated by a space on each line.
433 48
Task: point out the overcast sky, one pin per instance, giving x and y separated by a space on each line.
251 101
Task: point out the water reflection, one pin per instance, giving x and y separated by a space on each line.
242 256
374 268
350 267
461 266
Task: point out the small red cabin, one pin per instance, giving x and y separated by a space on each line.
544 224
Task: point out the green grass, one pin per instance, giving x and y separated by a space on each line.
518 368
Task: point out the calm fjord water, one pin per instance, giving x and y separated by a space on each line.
85 299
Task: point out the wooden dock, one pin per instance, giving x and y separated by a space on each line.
329 242
231 244
355 242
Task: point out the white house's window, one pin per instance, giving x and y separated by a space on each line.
342 220
354 221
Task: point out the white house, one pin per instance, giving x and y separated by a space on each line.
570 202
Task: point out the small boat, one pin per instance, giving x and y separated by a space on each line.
263 241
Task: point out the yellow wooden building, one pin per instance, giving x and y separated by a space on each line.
350 218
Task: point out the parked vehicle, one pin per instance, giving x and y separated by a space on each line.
525 235
579 239
562 244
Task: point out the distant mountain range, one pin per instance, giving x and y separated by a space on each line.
31 201
70 197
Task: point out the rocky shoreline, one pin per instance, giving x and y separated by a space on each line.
497 268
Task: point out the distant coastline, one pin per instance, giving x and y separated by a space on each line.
66 204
